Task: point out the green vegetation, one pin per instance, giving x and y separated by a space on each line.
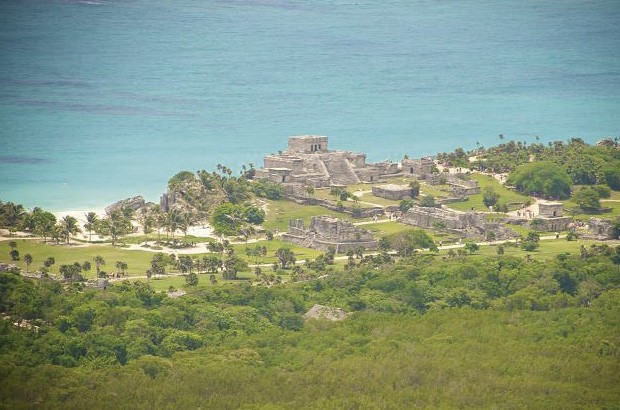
485 182
281 211
533 324
459 332
541 178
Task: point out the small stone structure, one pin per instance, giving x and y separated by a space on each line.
421 167
391 191
548 209
550 217
326 231
308 161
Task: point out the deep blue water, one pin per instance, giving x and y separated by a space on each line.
100 100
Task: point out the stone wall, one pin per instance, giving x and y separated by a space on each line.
550 224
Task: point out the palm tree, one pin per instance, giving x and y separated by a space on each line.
28 260
174 220
91 222
69 226
285 257
145 218
98 262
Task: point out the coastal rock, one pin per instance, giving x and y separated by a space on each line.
325 312
134 203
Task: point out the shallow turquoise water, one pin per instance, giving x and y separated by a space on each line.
101 100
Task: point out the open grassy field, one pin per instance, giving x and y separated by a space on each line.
506 196
571 208
547 250
281 211
272 246
138 261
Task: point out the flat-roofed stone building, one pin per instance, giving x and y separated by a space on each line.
391 191
550 217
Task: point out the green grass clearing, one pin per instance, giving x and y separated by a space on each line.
506 196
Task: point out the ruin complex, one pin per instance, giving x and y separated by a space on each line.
308 161
326 231
471 224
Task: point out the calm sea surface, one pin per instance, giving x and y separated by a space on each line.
100 100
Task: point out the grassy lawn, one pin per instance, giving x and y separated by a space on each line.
436 191
506 196
154 237
281 211
272 247
369 197
386 228
137 261
571 208
547 250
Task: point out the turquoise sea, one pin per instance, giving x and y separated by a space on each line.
101 100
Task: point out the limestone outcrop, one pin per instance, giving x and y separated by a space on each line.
325 312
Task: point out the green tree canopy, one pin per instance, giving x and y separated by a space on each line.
542 178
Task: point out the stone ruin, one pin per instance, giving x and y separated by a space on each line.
458 185
308 161
325 312
600 229
422 167
391 191
471 224
550 217
326 231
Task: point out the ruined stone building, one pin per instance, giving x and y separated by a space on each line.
459 185
550 217
308 161
391 191
471 224
600 229
326 231
420 167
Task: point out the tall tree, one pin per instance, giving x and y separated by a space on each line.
69 226
28 261
98 262
91 224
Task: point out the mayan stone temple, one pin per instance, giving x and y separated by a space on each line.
308 161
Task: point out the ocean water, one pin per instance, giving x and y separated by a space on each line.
101 100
